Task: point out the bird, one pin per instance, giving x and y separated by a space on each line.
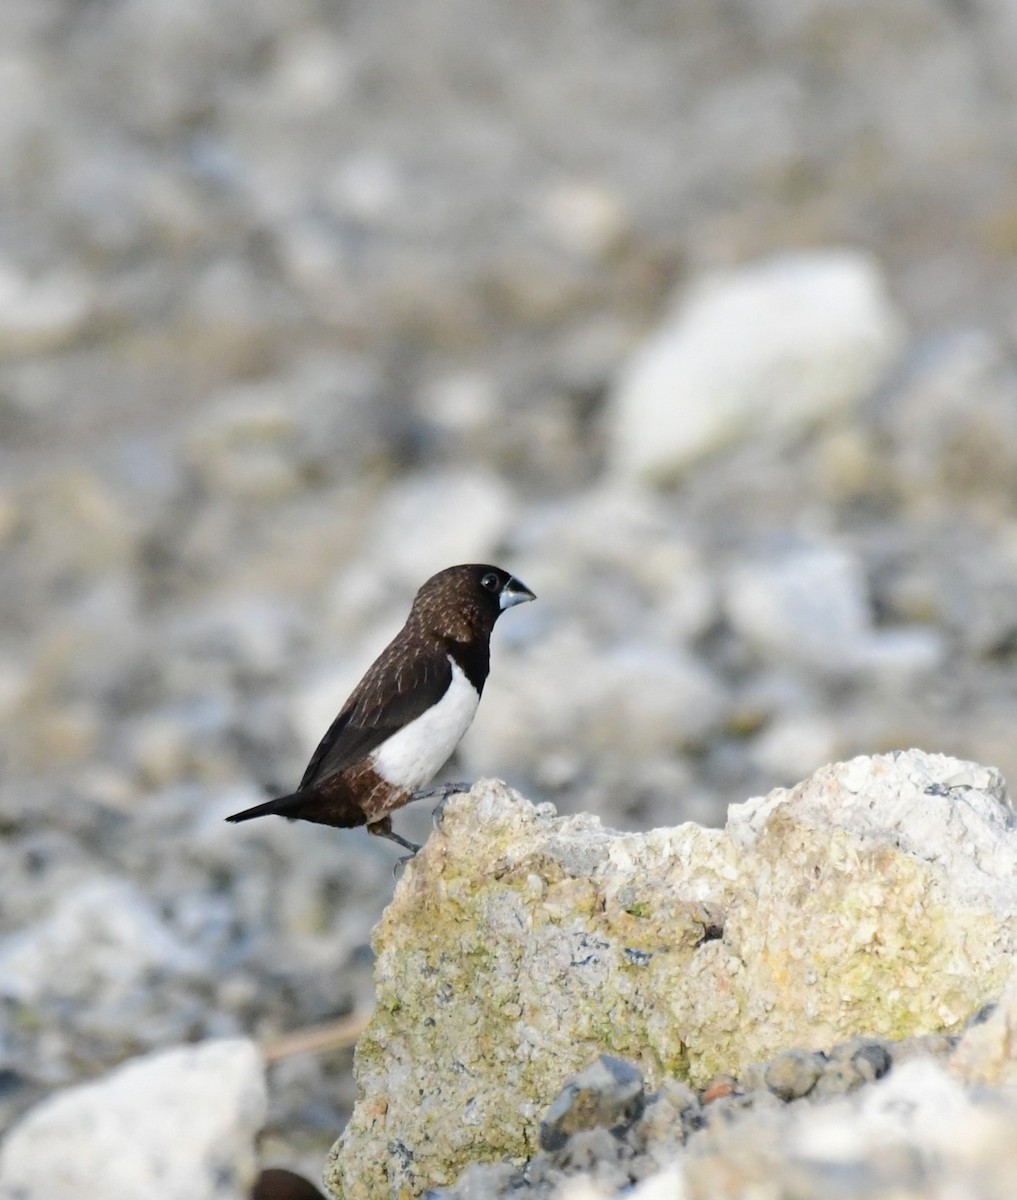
408 713
276 1183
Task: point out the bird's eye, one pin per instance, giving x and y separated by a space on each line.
491 582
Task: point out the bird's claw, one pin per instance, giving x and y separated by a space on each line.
400 863
445 793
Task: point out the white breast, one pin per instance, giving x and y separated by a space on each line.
414 755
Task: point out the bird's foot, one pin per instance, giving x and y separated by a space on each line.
443 791
400 863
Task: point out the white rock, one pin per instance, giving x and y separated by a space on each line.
311 72
585 217
365 186
668 1184
765 350
317 702
179 1125
41 314
809 604
461 403
796 744
615 548
953 817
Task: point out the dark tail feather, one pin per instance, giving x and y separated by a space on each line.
282 807
337 807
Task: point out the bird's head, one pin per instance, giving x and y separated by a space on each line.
463 602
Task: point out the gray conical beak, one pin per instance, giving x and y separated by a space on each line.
514 592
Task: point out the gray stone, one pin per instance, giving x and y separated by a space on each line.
870 1057
793 1074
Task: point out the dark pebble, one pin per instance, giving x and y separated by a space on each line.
793 1074
606 1095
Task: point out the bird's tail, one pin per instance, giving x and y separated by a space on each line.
283 806
336 806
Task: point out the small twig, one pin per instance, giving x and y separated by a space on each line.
316 1039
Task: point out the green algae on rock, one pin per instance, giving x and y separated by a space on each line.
876 897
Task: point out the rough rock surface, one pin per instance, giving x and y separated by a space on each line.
877 897
178 1126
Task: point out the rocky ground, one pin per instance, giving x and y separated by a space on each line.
567 1012
300 303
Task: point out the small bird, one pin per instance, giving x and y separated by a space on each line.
405 717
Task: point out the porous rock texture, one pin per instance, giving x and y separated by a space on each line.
877 897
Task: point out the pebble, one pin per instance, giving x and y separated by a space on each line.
720 1089
793 1074
607 1094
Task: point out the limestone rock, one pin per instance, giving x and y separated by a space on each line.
769 349
737 1136
877 897
987 1054
179 1125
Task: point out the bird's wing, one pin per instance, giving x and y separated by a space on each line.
398 688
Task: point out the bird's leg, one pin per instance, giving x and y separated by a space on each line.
383 828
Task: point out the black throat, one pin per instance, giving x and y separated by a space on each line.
473 659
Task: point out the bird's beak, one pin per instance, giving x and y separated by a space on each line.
514 592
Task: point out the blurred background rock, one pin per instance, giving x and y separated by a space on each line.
699 317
